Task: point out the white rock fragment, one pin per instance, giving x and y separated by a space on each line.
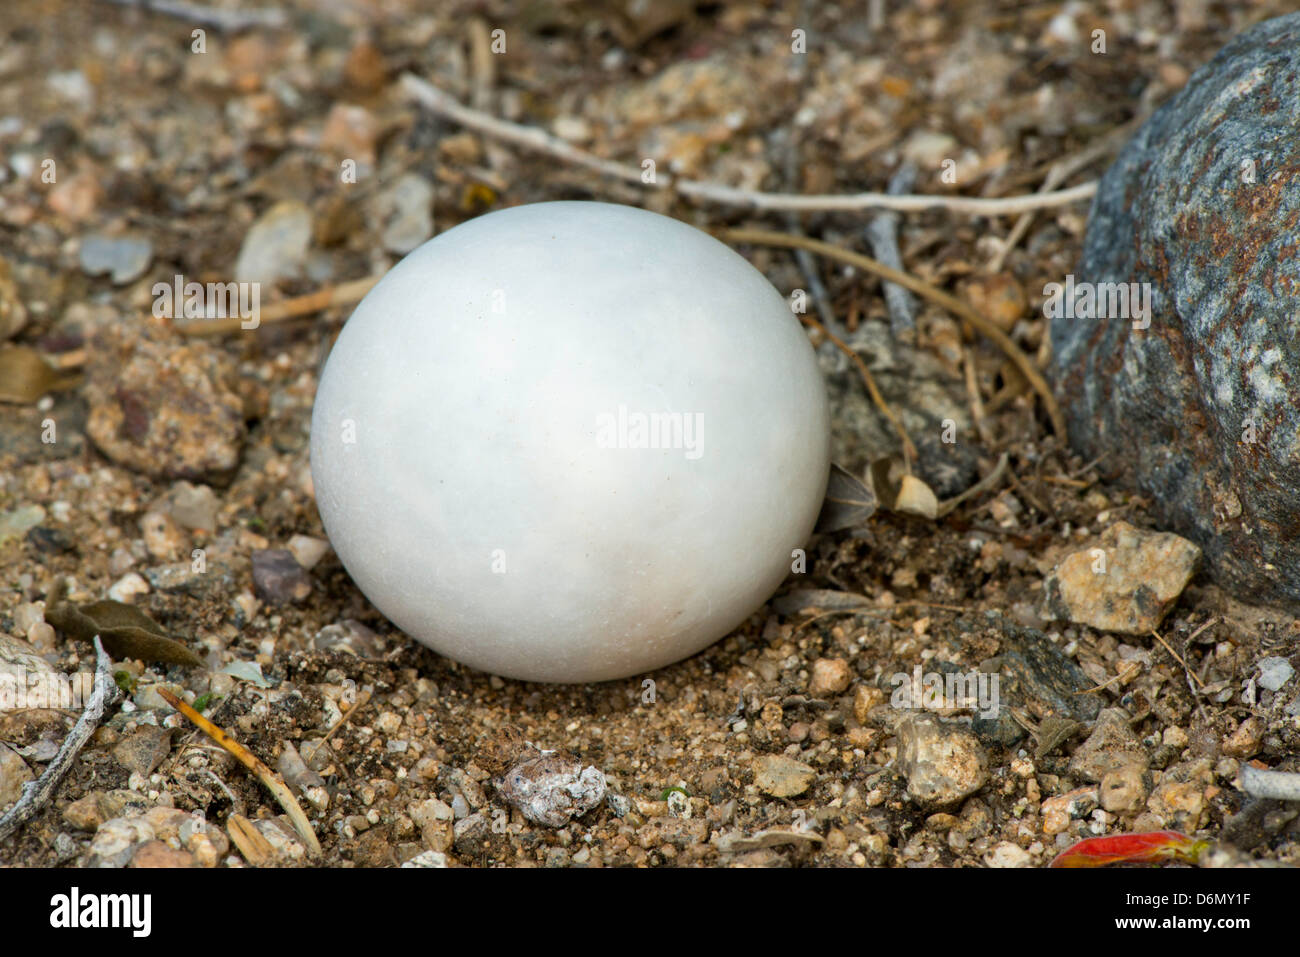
127 588
1274 672
308 551
428 859
552 789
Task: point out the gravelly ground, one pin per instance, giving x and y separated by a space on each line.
188 150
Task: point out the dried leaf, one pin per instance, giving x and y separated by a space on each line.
1150 847
25 376
849 502
883 475
125 631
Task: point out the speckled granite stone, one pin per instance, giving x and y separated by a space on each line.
1202 409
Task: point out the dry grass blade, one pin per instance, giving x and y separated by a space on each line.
989 481
1179 658
257 850
954 305
341 294
248 759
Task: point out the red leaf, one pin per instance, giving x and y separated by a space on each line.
1150 847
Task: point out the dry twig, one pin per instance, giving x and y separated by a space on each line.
439 102
1262 783
37 793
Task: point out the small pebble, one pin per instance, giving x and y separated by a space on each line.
782 777
275 247
944 763
127 588
123 258
830 676
308 551
278 578
407 209
1274 672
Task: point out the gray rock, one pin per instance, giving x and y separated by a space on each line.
278 578
550 789
117 840
1111 746
123 258
144 748
1200 408
471 834
1035 675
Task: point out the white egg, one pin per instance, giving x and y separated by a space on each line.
570 442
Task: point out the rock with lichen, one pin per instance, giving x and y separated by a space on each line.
1202 211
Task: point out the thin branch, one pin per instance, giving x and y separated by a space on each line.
219 18
882 235
530 137
1278 785
951 303
1177 657
37 793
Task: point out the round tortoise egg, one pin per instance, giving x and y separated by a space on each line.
570 442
